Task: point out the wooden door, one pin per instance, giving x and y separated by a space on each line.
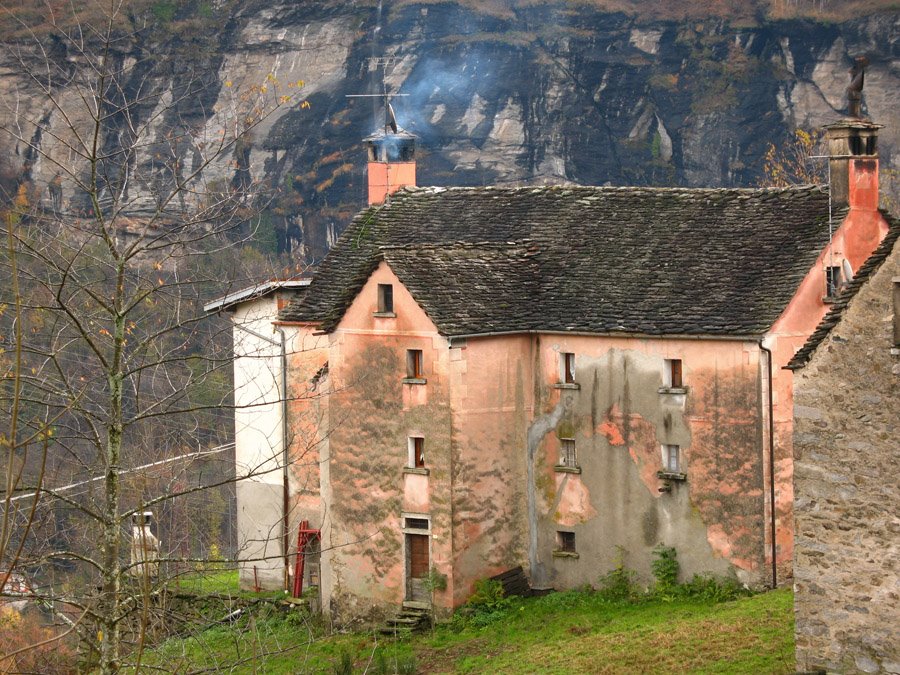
417 567
418 556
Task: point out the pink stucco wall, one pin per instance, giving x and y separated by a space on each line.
492 414
492 399
371 414
510 412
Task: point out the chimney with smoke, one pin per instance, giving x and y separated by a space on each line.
392 159
853 150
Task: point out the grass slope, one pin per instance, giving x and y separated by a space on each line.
571 632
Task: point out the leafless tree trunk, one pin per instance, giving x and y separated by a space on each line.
113 222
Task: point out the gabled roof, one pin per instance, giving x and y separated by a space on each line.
833 317
657 261
470 288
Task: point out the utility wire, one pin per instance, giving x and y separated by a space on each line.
143 467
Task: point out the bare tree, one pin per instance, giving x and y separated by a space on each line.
795 163
114 232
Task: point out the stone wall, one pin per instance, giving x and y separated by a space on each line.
847 548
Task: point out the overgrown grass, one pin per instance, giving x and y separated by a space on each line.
218 582
571 632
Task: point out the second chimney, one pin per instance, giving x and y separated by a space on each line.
853 163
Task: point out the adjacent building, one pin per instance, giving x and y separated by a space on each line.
262 489
847 458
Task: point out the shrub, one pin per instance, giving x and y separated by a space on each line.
665 570
398 665
488 595
40 652
620 583
714 589
486 605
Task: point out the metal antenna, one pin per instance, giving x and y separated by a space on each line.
375 62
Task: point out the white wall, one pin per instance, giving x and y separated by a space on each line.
258 443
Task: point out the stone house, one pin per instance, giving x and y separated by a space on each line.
847 500
480 378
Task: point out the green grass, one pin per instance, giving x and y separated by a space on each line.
218 582
571 632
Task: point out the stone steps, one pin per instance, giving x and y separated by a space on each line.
413 616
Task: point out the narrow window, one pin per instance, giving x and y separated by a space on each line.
832 281
567 366
565 541
673 373
672 458
414 363
385 298
417 452
567 452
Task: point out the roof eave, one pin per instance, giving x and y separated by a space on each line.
253 293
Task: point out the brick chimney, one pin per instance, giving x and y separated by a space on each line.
853 163
392 163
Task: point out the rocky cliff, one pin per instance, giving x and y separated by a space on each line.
549 93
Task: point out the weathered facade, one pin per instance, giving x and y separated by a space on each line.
562 374
846 427
481 378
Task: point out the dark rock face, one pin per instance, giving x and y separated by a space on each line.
546 94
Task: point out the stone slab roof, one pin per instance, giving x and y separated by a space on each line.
833 317
656 261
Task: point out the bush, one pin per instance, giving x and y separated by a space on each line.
620 583
488 595
40 652
397 665
665 571
714 589
486 605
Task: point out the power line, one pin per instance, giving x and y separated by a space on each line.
143 467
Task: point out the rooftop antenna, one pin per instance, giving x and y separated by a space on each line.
390 120
390 126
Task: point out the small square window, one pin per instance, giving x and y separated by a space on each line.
567 367
414 363
567 452
672 458
385 298
565 541
417 452
673 377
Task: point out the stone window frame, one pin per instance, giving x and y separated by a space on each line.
565 545
672 451
385 301
416 452
415 367
567 363
568 458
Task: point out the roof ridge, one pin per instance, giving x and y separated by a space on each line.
521 243
438 189
848 293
